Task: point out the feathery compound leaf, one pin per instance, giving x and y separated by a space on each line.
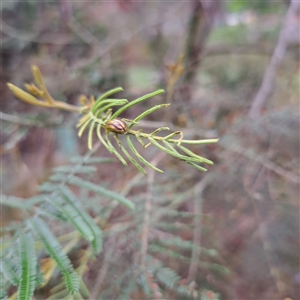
13 202
55 250
9 269
47 187
73 215
3 295
94 228
28 265
167 277
178 242
100 190
91 160
75 170
50 210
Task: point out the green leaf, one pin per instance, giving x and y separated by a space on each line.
9 269
90 136
47 187
3 295
142 159
109 93
178 242
75 169
84 126
197 167
134 102
192 154
112 103
94 228
147 112
144 283
51 210
173 152
154 248
91 160
40 279
113 150
28 262
73 215
56 252
128 155
102 139
167 277
14 202
101 191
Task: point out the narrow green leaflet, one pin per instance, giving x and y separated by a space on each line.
134 102
101 191
28 262
75 169
141 158
167 277
109 93
55 250
91 160
129 156
73 215
9 270
147 112
94 228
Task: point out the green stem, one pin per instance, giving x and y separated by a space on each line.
134 102
161 139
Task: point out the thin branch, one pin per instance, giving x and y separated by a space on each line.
198 201
210 134
20 121
56 39
283 41
109 254
265 162
82 32
147 212
263 232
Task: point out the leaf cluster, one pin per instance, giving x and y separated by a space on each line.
57 201
100 114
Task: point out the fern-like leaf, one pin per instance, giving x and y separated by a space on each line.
3 295
28 265
97 240
77 170
91 160
73 215
100 190
9 270
56 252
167 277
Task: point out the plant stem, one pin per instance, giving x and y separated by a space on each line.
161 139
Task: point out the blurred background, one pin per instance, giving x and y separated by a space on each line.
230 70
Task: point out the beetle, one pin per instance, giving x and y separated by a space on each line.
116 126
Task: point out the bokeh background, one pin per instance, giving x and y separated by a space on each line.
239 82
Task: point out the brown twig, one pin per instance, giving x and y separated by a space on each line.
147 212
283 42
109 253
265 162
